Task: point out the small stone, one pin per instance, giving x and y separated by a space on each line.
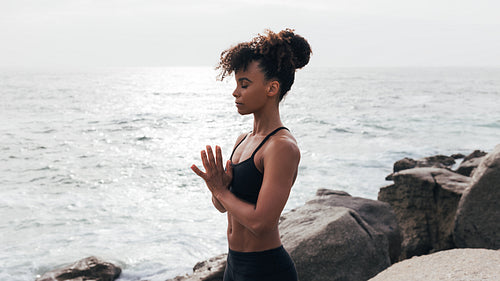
90 268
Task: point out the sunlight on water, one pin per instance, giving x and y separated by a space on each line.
97 162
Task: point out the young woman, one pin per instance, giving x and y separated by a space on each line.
254 186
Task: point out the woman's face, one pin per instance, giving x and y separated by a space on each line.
251 89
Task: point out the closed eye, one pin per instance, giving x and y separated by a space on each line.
244 82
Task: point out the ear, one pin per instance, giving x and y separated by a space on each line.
273 88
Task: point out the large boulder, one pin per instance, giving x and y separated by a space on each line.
333 243
477 223
450 265
377 214
90 268
425 201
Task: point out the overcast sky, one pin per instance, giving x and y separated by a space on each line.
40 33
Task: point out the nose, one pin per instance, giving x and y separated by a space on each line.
236 93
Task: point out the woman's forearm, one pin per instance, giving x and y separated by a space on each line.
245 213
218 205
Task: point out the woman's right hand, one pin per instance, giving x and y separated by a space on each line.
215 176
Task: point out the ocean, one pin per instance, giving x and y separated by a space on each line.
96 161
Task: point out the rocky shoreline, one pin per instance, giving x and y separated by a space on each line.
434 215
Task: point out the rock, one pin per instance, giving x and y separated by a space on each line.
425 201
477 223
377 214
457 156
90 268
404 164
470 163
437 161
450 265
441 161
209 270
475 154
326 192
333 243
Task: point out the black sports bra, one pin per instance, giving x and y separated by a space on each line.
247 179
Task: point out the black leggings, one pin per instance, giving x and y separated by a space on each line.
270 265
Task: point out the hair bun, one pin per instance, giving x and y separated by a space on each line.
278 55
301 50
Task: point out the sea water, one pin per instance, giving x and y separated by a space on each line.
96 161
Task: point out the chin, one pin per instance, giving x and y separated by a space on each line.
243 112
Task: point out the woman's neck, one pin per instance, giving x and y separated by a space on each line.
266 120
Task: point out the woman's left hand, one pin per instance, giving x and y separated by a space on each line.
216 178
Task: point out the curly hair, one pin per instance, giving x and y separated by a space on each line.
278 55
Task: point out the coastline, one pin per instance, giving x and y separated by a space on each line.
335 236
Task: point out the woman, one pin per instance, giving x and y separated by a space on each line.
254 187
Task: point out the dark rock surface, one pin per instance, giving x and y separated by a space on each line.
436 161
90 268
404 164
470 163
457 156
425 201
475 154
477 222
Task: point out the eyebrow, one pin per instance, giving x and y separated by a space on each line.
244 78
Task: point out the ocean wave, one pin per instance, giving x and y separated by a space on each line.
494 125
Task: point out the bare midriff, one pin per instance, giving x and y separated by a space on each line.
241 239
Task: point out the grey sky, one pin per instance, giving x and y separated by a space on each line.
194 32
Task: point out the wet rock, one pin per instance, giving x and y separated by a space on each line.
457 156
437 161
404 164
425 201
470 163
477 222
90 268
475 154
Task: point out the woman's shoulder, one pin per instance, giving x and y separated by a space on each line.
283 143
